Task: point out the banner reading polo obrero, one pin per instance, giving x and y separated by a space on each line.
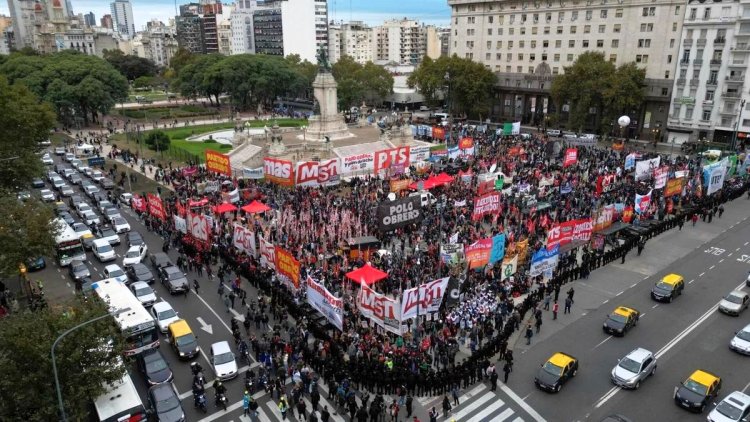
287 268
244 239
218 162
155 206
278 171
267 254
423 299
359 163
324 302
487 204
478 253
399 213
380 309
386 158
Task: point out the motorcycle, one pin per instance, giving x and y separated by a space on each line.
221 400
200 402
199 379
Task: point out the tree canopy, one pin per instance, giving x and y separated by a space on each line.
468 84
83 365
80 87
592 82
130 66
360 83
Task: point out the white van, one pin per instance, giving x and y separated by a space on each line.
427 198
103 250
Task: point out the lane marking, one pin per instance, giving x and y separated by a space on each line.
633 285
618 294
528 409
711 267
642 315
701 274
689 329
605 301
737 249
654 307
730 254
722 260
746 243
746 387
240 371
602 342
214 312
691 281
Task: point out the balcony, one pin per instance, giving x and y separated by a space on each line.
695 82
728 112
684 62
712 82
708 104
738 63
701 42
680 81
741 47
687 42
697 62
715 62
731 95
720 41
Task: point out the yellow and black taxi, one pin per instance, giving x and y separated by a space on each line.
182 339
697 391
668 288
621 320
556 371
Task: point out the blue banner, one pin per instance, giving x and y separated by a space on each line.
498 248
544 261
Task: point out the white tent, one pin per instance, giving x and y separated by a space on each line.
84 150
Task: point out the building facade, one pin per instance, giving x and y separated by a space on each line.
89 19
106 22
353 39
122 18
710 88
400 41
158 43
518 39
241 27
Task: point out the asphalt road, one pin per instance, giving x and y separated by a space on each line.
687 334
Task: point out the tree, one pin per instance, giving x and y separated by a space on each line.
130 66
358 83
376 81
24 122
193 79
592 82
26 232
157 140
467 84
83 364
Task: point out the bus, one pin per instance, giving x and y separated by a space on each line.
68 245
136 325
121 402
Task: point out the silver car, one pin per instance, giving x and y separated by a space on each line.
634 368
734 303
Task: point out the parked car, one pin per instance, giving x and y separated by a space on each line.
107 183
37 183
47 195
78 270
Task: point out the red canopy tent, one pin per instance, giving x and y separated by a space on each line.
367 274
255 207
443 178
224 207
428 184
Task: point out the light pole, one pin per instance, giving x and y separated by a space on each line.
63 417
737 124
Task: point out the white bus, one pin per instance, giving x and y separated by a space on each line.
68 245
121 402
137 325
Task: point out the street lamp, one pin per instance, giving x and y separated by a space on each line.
737 124
447 78
63 417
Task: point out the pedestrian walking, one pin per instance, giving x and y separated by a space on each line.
221 289
454 393
555 309
446 406
547 300
721 210
196 286
538 324
507 369
529 334
493 381
641 245
283 406
568 303
227 302
232 296
694 218
246 404
409 405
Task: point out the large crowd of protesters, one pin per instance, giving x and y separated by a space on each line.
314 224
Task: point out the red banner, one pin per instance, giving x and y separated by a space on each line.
466 143
478 253
278 171
438 132
155 207
138 203
487 204
674 187
571 157
389 157
513 151
627 214
287 268
218 162
603 218
606 183
569 231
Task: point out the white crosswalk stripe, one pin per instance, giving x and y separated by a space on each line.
478 404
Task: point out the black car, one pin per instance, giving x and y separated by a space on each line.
67 217
139 272
134 239
173 279
154 368
37 183
78 270
166 403
159 260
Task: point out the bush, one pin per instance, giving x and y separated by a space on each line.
157 140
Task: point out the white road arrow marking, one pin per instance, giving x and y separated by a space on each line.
205 327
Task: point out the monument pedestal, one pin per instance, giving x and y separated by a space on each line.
329 122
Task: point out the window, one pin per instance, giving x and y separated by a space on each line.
603 14
599 43
499 31
508 58
521 44
717 55
510 44
574 16
556 58
585 43
571 43
671 43
470 32
674 26
560 16
696 73
531 70
559 29
519 69
548 17
669 58
677 11
613 58
644 43
533 30
487 56
500 19
587 29
490 19
689 113
649 11
520 56
686 55
507 70
489 45
512 18
523 18
498 45
709 96
544 57
641 58
471 19
589 13
713 76
706 115
569 58
536 17
511 31
618 13
573 29
545 43
532 57
693 13
489 31
615 43
602 28
498 56
707 13
469 56
616 28
683 73
469 44
533 44
546 30
555 71
522 31
666 76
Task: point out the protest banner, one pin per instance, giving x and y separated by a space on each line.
380 309
155 206
451 253
138 203
571 157
498 248
279 171
180 224
267 254
486 204
423 299
569 231
218 162
419 153
478 253
606 183
399 213
544 261
645 169
359 163
386 158
256 173
244 239
198 226
330 306
673 187
287 268
400 184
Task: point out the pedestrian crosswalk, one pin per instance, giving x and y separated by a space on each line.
477 404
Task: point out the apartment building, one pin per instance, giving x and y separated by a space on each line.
399 41
122 18
157 42
527 43
353 39
710 86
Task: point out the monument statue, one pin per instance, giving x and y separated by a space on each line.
323 64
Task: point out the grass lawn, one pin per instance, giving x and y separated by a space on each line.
167 112
149 95
141 184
